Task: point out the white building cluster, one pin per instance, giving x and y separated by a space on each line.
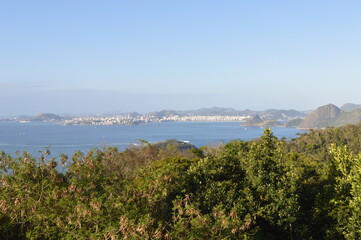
130 120
206 118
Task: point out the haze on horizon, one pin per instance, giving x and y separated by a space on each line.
120 56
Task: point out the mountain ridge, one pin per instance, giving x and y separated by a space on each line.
331 116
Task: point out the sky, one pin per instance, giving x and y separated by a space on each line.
91 56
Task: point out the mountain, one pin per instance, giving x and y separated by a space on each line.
214 111
271 123
348 117
322 117
331 116
293 123
281 114
163 113
47 117
253 121
270 114
257 121
350 106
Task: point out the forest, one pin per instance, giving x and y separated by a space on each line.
268 188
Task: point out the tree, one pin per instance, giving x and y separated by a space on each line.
347 200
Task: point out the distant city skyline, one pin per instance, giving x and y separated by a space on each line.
122 56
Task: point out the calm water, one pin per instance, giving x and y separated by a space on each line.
33 137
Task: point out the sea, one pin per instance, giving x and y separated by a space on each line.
34 137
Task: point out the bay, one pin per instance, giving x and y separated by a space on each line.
35 136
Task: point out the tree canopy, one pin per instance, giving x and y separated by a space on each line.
307 188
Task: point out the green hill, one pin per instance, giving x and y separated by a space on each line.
179 145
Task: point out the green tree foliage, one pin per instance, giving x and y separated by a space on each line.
245 192
262 189
43 203
271 187
347 199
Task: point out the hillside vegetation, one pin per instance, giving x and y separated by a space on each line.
307 188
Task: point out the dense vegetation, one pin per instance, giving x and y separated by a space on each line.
307 188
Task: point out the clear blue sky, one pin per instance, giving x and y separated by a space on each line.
118 56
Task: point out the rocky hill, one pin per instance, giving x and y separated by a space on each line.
47 117
272 123
331 116
253 121
350 107
348 117
322 117
293 123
